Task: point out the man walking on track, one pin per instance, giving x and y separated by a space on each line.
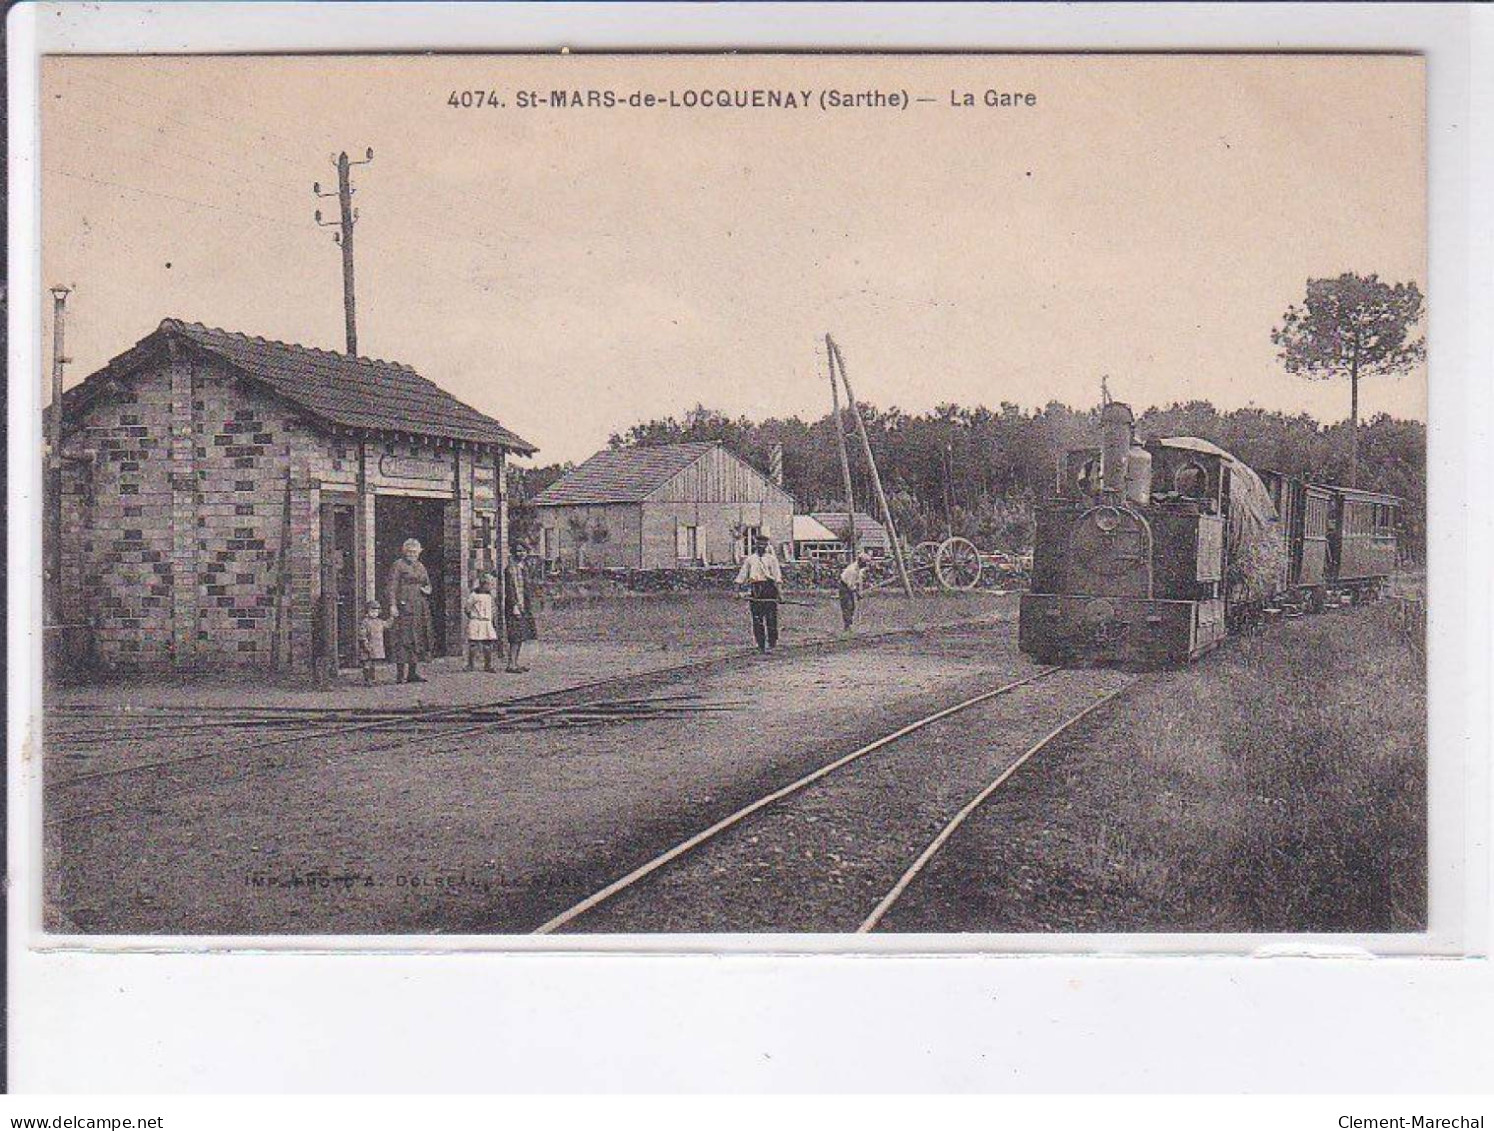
762 574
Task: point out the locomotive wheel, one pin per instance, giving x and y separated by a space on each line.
958 565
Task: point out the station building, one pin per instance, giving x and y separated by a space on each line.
229 501
667 506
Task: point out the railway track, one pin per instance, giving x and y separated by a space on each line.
423 726
837 848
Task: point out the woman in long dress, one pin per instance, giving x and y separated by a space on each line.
518 615
411 633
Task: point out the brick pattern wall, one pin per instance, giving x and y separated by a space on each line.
172 531
185 488
243 448
117 565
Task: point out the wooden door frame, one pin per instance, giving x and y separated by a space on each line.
326 648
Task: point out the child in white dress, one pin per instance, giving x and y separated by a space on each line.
481 631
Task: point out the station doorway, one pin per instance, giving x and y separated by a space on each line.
397 517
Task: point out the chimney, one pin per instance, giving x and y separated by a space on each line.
1116 424
775 464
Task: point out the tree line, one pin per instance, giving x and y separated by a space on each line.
976 472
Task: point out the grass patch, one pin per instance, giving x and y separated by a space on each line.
1280 785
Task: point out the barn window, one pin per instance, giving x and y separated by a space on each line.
686 542
749 539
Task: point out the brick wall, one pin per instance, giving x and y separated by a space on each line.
244 447
117 565
185 486
176 561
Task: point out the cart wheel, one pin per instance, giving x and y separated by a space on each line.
957 564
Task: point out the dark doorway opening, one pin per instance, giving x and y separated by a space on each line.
397 517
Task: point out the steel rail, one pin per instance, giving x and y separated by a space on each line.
517 721
685 846
433 714
918 865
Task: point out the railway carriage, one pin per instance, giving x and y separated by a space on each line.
1362 541
1152 554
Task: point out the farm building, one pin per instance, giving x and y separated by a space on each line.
814 542
663 507
870 534
231 501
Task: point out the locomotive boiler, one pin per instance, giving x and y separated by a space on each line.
1148 554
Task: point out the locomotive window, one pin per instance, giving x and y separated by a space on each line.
1089 477
1190 481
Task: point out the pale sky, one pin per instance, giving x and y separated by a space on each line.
574 271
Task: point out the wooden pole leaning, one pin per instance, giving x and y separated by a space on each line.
871 463
840 443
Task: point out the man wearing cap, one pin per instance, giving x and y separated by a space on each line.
763 576
852 578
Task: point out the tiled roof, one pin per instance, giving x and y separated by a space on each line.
351 392
869 532
623 475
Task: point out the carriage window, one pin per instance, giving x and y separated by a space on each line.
1191 481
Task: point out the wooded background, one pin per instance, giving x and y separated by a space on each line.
977 471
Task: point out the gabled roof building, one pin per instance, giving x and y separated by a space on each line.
231 501
663 507
871 535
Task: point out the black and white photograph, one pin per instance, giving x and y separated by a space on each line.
733 495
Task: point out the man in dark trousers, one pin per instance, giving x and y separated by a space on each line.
763 576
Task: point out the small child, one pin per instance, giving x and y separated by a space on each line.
481 631
371 640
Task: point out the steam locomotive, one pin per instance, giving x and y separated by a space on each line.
1151 554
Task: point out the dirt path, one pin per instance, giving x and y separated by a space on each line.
494 832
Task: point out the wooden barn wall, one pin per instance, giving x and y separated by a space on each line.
621 521
718 526
720 477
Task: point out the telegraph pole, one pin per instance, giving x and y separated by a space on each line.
344 237
52 486
59 359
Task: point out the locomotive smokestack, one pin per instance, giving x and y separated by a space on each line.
1116 429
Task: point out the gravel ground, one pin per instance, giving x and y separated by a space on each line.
577 644
821 859
489 832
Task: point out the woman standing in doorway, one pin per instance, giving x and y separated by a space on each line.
518 616
410 629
